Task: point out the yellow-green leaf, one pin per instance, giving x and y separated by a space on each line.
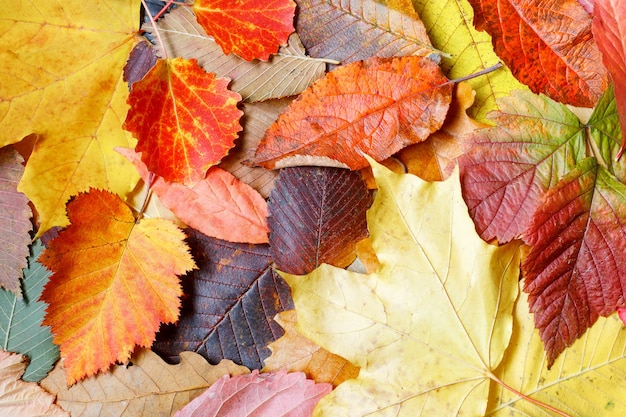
431 324
450 25
587 379
61 79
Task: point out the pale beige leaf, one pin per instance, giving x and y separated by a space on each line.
146 387
19 398
285 74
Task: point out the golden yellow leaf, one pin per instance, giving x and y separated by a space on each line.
61 79
431 324
146 387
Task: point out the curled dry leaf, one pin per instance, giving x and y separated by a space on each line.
113 283
294 352
144 387
184 118
248 28
374 107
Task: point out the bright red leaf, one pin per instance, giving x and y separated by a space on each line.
376 107
575 271
547 45
609 31
114 281
185 119
509 166
219 206
249 28
260 395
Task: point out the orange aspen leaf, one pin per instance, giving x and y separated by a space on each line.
376 107
114 281
184 118
219 206
249 28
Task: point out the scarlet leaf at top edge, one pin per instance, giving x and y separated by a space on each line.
574 270
609 31
373 107
113 282
248 28
547 45
317 215
509 166
184 118
229 304
15 222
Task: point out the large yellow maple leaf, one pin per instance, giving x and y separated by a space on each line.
430 326
61 80
114 282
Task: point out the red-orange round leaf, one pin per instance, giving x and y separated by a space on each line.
249 28
184 118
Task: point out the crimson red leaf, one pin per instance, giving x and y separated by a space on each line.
14 221
317 215
547 45
510 166
373 107
609 31
575 270
249 28
260 395
229 304
185 119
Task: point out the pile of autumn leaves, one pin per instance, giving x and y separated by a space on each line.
537 173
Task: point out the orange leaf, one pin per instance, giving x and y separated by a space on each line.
185 119
219 206
114 282
294 352
249 28
377 107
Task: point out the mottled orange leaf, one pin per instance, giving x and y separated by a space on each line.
114 281
185 119
219 206
249 28
609 31
376 107
295 352
548 46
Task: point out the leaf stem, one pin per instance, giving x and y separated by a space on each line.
527 398
478 74
154 26
146 200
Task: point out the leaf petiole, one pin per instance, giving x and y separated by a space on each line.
478 74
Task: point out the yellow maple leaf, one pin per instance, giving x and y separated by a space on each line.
61 79
114 281
431 324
